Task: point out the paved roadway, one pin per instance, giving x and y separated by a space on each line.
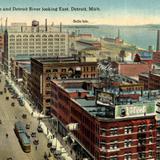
10 147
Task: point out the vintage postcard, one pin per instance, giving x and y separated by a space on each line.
79 80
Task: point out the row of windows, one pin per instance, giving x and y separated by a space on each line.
26 36
26 40
127 130
127 143
128 156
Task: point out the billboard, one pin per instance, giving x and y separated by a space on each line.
135 110
105 98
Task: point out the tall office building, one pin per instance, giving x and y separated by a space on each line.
34 41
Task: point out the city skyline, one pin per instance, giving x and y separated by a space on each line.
109 12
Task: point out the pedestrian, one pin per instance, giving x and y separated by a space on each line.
6 135
36 147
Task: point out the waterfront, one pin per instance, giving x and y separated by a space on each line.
141 36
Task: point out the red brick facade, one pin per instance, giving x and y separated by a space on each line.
132 69
151 81
105 139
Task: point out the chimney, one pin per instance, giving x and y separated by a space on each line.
46 25
61 27
158 40
6 24
21 28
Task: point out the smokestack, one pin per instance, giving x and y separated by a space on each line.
21 28
158 40
6 24
61 27
46 25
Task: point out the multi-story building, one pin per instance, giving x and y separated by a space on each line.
150 80
34 40
1 45
43 70
131 69
100 127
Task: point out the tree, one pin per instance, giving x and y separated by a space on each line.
122 54
137 58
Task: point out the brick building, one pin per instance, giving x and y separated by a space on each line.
1 45
131 69
43 70
150 80
156 57
103 131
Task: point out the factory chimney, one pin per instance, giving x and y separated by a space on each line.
158 40
46 25
6 24
61 27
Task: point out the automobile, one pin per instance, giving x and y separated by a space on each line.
36 142
14 96
27 126
39 129
24 116
53 149
21 102
5 90
33 134
49 144
7 98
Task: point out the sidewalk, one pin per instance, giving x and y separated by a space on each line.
46 131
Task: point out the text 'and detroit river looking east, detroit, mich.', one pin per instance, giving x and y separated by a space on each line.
50 9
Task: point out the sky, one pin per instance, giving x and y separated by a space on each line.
111 12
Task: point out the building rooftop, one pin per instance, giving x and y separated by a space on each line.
144 74
71 90
139 109
88 41
86 103
26 67
64 59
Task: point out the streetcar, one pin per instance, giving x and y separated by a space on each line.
22 136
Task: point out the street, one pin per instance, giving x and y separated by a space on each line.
10 147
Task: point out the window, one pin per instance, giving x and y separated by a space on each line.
128 130
114 158
103 148
48 101
150 140
48 70
127 143
103 132
151 127
63 70
142 128
113 145
150 154
113 131
128 156
141 155
48 78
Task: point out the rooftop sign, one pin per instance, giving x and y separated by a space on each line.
105 98
135 110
